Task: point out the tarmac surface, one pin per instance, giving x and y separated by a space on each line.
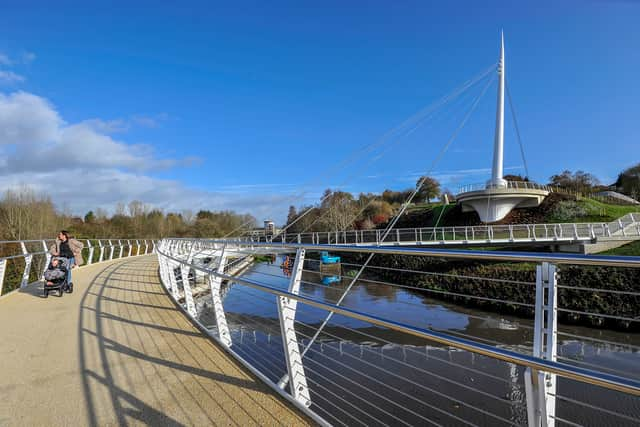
118 352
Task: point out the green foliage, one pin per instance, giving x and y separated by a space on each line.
629 182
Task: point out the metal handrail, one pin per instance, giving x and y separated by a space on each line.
555 258
568 371
28 255
540 368
542 233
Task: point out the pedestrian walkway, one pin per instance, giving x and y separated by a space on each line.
118 352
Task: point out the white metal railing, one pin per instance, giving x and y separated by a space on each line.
627 227
30 251
515 185
339 382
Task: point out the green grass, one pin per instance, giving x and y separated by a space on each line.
630 249
599 211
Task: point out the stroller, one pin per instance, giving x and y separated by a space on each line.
55 277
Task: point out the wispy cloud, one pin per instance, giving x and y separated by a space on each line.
10 77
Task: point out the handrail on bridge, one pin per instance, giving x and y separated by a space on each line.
28 254
176 259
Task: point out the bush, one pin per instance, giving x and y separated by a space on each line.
567 210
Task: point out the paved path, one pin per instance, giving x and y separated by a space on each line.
118 352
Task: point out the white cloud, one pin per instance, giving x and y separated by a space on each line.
82 167
10 77
34 138
5 60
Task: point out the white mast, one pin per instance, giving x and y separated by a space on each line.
498 147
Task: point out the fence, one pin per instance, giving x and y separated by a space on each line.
23 262
405 360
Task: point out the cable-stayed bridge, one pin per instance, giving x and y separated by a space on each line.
132 343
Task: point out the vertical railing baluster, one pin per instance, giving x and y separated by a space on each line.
47 258
287 313
28 258
3 268
215 283
540 387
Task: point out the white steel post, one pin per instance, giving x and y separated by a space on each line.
540 387
47 259
91 249
188 295
111 248
121 248
129 244
3 268
27 265
221 320
138 247
146 247
287 313
101 251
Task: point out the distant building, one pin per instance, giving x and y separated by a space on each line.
269 227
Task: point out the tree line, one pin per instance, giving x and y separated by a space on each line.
26 215
339 210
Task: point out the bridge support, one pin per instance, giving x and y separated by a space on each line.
186 285
540 387
3 268
101 251
121 248
47 259
221 320
287 313
28 258
111 248
91 249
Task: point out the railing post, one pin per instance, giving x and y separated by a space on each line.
287 313
91 249
101 251
27 265
3 268
111 248
540 387
186 286
215 282
47 259
121 248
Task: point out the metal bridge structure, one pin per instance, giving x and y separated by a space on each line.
333 363
624 229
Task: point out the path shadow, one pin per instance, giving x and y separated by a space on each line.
97 349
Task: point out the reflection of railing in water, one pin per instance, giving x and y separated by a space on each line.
376 390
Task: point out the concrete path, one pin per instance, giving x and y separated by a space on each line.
118 352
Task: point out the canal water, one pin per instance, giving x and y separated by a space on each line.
361 374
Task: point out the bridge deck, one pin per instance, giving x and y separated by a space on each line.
117 351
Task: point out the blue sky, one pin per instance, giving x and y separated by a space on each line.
195 105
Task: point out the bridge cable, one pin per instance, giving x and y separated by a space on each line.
416 121
396 218
408 132
517 128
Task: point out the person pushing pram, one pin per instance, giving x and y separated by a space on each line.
69 248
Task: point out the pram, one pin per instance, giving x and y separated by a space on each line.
57 276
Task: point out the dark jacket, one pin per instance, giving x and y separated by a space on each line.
75 246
